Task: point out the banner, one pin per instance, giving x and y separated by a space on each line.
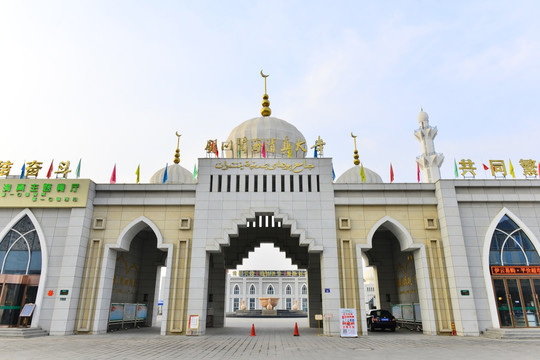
347 323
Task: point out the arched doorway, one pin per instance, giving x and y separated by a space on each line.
263 228
514 265
20 270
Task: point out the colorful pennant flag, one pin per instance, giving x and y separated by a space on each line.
418 172
165 174
194 172
23 169
362 173
334 173
78 171
138 172
315 152
113 175
512 169
391 173
49 173
485 167
290 151
263 151
456 175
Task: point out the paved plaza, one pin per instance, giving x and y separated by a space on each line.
274 340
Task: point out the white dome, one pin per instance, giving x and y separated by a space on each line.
176 174
352 176
267 128
422 116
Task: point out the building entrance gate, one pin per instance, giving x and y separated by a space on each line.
517 301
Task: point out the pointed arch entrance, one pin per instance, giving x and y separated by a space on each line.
514 271
136 261
401 273
263 227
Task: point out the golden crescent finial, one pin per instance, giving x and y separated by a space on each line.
353 135
264 76
177 153
177 134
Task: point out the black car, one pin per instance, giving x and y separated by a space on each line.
381 319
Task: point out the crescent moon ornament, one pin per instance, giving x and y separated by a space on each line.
264 76
177 134
353 135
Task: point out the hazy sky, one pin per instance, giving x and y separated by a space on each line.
112 81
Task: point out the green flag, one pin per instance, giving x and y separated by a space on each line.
455 169
194 172
78 171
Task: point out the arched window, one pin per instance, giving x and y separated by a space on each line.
304 289
20 250
270 290
288 290
511 246
252 290
236 290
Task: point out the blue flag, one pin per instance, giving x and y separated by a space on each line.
23 170
165 173
333 174
315 152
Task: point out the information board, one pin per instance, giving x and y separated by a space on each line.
348 323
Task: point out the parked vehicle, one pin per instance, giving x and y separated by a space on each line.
381 319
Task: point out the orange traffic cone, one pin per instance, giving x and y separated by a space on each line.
252 329
296 329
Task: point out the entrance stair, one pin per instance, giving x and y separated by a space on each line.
513 334
22 332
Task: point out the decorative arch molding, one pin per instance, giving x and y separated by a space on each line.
44 257
252 286
233 231
485 257
406 243
132 229
400 232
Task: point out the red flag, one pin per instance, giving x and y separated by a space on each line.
391 173
485 167
113 175
418 172
214 148
263 151
49 173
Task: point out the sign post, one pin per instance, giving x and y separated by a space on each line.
348 323
193 324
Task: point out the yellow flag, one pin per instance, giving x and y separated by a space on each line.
362 173
290 151
512 169
138 172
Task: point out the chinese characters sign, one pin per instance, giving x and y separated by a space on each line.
347 322
515 270
43 193
498 168
269 273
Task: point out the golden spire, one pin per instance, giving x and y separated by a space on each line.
356 157
177 153
265 111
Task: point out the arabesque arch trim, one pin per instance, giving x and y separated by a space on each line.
132 229
485 257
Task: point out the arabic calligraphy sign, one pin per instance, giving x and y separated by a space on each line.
296 167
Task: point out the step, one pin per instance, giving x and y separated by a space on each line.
22 332
514 334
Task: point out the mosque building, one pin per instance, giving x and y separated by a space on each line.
451 255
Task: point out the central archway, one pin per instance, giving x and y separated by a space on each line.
263 227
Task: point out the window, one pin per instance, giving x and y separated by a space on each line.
236 290
236 303
511 246
270 290
304 289
251 303
252 290
304 304
20 250
288 305
288 290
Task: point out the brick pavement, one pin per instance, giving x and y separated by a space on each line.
274 340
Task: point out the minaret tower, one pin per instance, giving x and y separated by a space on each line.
430 162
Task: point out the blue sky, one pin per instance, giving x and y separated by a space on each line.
112 81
